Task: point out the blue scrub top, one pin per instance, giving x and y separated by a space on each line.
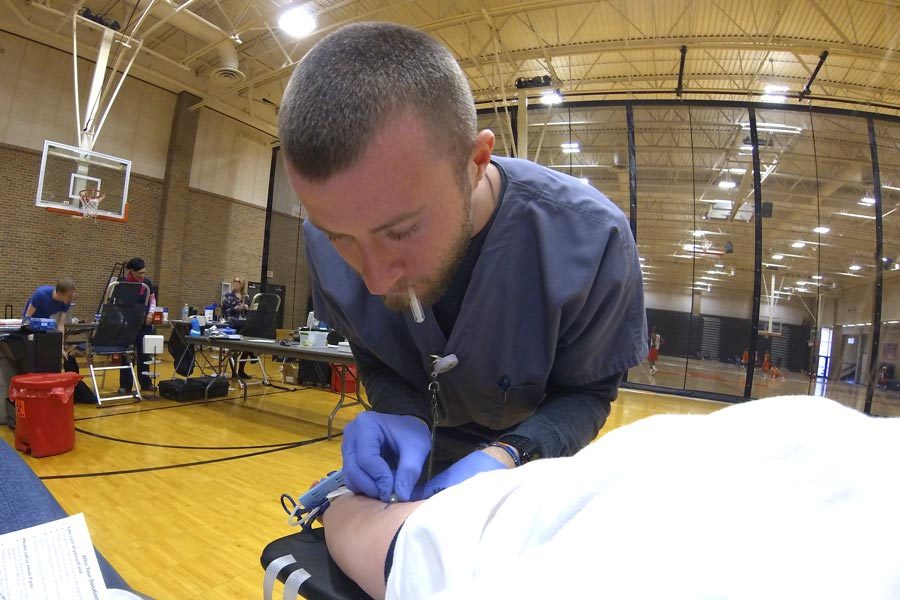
44 304
555 299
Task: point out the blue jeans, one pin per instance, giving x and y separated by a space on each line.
125 380
26 502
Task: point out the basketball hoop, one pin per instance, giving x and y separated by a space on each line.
90 202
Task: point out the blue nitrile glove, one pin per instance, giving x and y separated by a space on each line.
375 444
468 466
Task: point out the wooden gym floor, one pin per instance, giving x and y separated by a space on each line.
182 497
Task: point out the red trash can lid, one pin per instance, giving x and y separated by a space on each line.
44 381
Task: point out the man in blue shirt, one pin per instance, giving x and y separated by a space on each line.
423 244
49 302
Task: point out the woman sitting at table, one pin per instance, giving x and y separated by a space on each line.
235 305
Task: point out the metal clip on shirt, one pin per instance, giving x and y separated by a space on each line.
439 366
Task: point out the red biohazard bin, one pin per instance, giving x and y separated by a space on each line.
45 412
349 379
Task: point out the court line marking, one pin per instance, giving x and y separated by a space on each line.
181 447
184 404
188 464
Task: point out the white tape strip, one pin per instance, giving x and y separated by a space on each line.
338 492
293 583
272 572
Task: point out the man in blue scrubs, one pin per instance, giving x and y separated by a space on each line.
530 278
51 302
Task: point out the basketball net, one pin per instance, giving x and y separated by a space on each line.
90 202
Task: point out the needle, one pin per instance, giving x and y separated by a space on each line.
392 500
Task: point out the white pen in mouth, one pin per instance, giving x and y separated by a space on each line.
415 306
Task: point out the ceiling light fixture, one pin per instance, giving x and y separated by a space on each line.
855 267
821 229
774 93
773 128
297 20
727 184
866 201
570 148
778 257
817 277
720 266
551 97
798 244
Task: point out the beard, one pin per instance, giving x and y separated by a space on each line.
431 288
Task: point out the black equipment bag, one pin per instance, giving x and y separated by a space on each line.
194 388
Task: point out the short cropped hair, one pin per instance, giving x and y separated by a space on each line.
65 285
357 78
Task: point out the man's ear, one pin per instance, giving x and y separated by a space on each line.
481 153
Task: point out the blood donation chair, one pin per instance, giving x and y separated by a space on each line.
302 562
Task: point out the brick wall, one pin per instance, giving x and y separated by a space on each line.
39 246
223 239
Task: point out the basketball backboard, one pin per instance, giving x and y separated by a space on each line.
66 171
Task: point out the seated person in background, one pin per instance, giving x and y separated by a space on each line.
136 272
49 302
787 497
235 305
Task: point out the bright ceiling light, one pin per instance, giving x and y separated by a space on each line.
821 229
817 277
720 266
570 147
866 201
745 148
777 256
801 290
699 233
297 20
774 93
735 170
772 128
551 98
798 245
727 184
855 267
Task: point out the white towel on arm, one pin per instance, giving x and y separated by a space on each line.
792 497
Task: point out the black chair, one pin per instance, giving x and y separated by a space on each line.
260 323
121 318
322 579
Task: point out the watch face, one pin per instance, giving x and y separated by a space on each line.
526 448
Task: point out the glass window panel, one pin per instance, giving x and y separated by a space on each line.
665 225
723 239
886 401
846 263
792 284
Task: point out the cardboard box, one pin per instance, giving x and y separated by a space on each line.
290 373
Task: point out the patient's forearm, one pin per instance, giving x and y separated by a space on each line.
359 531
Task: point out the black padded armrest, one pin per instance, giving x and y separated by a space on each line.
327 581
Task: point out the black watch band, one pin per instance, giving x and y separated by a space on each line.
528 450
